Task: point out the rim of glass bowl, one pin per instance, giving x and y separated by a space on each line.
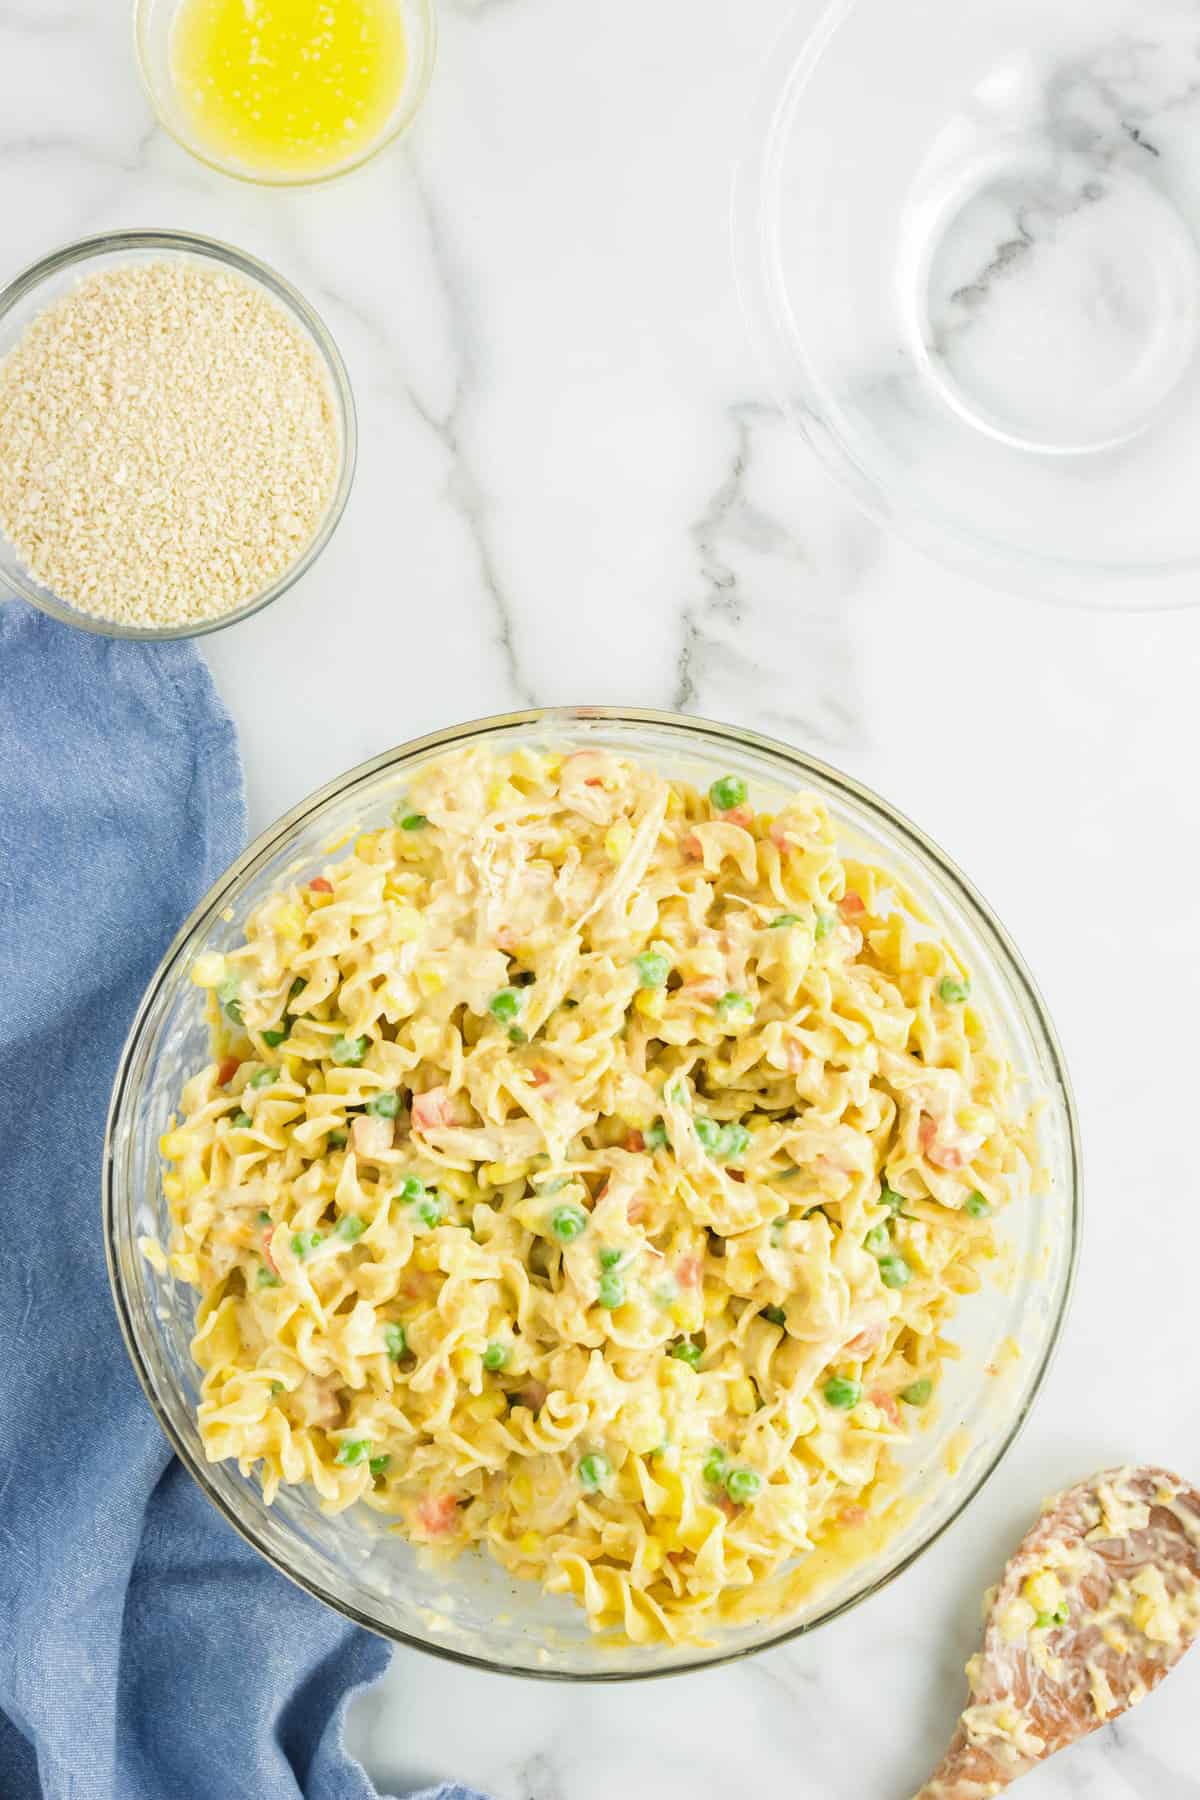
803 396
169 242
698 731
427 9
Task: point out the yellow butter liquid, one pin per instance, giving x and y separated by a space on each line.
289 87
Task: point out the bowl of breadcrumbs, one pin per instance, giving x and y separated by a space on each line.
177 435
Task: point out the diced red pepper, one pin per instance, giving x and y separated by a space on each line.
319 885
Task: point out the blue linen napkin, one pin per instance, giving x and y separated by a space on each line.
146 1652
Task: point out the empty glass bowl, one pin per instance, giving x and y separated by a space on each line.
966 234
473 1610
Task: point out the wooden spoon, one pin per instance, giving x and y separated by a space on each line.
1101 1599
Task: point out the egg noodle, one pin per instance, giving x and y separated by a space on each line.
587 1169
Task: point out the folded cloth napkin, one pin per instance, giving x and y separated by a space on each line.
146 1652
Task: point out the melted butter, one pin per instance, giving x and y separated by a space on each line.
289 87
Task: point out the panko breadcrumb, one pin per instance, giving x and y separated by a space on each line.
169 443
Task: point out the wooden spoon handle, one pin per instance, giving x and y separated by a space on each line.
973 1772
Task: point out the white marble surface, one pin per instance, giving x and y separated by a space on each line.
573 486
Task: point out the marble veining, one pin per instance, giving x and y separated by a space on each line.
573 486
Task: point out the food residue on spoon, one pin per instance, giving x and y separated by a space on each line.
289 87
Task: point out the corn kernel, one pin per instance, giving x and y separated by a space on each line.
177 1144
208 970
497 1174
429 981
617 840
1044 1591
674 803
365 845
529 1542
715 1301
456 1182
406 923
520 1490
651 1002
288 921
172 1187
688 1312
742 1396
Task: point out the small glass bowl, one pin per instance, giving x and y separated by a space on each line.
37 287
153 24
966 235
473 1611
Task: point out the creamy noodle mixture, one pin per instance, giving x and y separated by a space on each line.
587 1169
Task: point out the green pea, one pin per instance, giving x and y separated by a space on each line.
396 1341
228 988
656 1137
349 1052
378 1464
517 1036
734 1142
782 919
353 1452
652 969
265 1278
505 1004
727 792
273 1039
298 986
555 1185
428 1210
277 1387
264 1217
411 1188
495 1357
610 1259
304 1241
610 1292
894 1272
842 1393
734 1006
350 1228
775 1315
1045 1621
917 1393
337 1140
594 1469
686 1352
264 1078
567 1223
709 1133
825 923
240 1121
413 822
888 1195
877 1240
384 1106
977 1206
714 1467
742 1485
953 992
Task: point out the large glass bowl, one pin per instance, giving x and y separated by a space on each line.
473 1611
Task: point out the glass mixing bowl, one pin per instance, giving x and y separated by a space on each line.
39 286
473 1611
966 237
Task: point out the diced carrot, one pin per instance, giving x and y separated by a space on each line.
635 1210
691 846
729 1507
852 1515
268 1234
432 1109
851 905
437 1512
635 1141
886 1403
687 1271
319 885
228 1070
539 1076
739 815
